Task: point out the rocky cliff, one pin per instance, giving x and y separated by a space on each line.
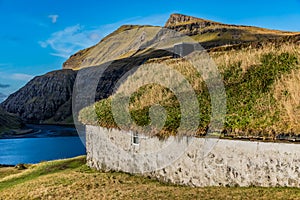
45 99
179 20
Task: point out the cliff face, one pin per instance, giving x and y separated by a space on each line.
45 99
179 20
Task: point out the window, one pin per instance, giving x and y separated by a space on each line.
135 139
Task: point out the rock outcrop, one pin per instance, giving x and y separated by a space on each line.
179 20
45 99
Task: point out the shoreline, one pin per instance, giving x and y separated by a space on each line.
29 130
36 130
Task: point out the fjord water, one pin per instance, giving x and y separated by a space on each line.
46 143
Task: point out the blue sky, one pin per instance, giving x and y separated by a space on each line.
37 36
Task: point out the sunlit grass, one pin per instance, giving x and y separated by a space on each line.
72 179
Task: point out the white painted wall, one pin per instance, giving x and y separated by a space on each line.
195 161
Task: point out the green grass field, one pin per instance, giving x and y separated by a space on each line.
72 179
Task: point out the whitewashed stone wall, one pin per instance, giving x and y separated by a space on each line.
195 161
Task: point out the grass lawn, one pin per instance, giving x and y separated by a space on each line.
72 179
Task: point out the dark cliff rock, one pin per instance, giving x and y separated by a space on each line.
45 99
179 19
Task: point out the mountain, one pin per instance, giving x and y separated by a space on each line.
44 99
128 40
48 98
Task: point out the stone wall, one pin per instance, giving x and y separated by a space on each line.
195 161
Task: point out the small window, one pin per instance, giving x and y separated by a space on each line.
135 139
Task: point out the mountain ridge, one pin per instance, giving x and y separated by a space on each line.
44 99
209 34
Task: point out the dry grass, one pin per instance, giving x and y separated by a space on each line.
255 30
248 58
285 90
287 95
251 56
83 183
163 73
6 171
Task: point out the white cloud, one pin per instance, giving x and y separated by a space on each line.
2 95
21 77
155 20
66 42
15 79
53 18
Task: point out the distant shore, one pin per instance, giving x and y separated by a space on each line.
34 130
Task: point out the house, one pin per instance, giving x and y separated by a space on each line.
184 48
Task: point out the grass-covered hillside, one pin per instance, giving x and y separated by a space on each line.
262 91
9 121
72 179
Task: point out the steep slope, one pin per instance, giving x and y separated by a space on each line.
122 43
45 99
